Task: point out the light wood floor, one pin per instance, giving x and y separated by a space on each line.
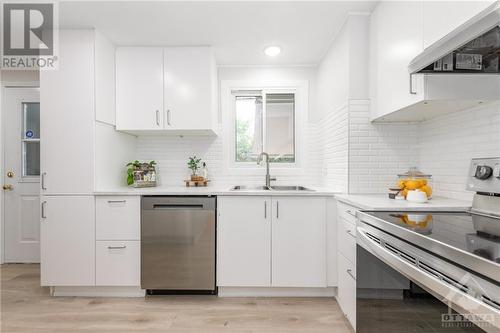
26 307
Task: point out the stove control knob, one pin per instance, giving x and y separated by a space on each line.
483 172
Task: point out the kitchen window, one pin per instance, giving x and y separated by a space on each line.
264 121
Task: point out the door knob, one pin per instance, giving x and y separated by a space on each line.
10 174
8 187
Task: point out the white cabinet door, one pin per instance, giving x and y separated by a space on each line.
118 263
396 37
244 241
347 289
189 76
67 117
67 238
118 218
298 242
455 12
139 88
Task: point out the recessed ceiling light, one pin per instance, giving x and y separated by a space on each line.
272 51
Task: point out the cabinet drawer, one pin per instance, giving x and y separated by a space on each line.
118 263
347 289
118 218
347 212
347 239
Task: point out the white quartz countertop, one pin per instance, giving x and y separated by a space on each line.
209 190
362 201
382 202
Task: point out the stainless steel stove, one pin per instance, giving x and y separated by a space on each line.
433 271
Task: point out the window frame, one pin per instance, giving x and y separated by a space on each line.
23 178
300 90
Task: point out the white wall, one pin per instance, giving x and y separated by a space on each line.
19 76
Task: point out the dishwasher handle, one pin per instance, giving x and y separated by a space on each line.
177 206
177 203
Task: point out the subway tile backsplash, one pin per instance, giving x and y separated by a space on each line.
448 143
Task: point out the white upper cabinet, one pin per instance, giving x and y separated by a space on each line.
401 30
455 12
67 117
189 89
166 90
139 88
396 37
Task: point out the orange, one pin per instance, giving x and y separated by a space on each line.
413 184
427 189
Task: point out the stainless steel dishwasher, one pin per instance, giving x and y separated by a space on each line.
178 244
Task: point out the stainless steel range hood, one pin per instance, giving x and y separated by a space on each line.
473 47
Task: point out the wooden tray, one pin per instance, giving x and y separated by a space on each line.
196 183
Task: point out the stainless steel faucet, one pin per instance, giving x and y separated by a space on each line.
259 161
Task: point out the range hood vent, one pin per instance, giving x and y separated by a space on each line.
472 48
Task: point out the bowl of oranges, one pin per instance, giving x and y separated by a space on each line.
414 180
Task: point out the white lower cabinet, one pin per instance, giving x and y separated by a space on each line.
346 259
299 242
118 263
244 241
67 238
118 245
347 288
118 218
347 239
268 241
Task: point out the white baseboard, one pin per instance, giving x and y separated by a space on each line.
276 292
98 291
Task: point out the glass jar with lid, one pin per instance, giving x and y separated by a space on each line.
415 180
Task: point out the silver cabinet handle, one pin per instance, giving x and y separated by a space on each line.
351 213
277 209
43 181
43 210
117 201
349 232
157 117
411 85
265 209
349 271
117 247
168 118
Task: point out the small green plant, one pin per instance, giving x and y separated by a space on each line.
194 164
136 165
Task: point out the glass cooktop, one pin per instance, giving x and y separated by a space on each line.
478 235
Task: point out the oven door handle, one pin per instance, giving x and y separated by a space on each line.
455 298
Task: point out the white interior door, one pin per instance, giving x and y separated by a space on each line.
21 175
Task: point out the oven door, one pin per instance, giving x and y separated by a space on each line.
401 288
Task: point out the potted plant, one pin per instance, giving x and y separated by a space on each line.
194 164
141 174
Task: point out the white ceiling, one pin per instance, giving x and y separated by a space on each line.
238 31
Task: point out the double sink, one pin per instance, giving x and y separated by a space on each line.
271 188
